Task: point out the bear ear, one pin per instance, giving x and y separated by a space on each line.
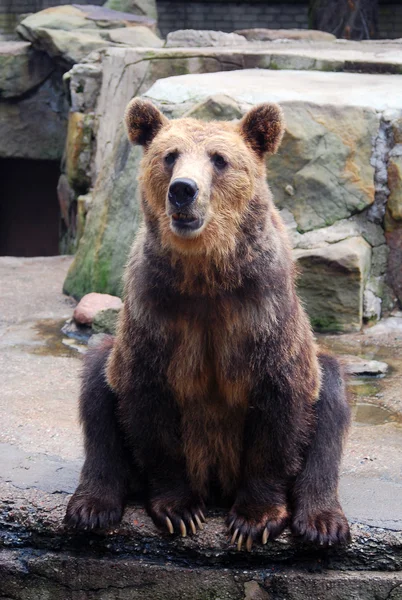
143 121
263 127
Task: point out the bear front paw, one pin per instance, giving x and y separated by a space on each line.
86 511
324 527
248 526
180 516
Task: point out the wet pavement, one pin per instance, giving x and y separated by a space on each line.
40 439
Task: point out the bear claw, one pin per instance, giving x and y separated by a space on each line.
250 530
182 520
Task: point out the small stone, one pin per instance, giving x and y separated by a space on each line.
105 321
92 303
289 189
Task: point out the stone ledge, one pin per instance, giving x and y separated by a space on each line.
32 519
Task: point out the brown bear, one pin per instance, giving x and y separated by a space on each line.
213 389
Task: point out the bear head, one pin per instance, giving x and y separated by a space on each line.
199 178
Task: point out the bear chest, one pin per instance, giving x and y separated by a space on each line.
208 364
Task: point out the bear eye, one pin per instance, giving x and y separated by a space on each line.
171 158
219 161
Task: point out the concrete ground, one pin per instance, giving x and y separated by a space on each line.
41 445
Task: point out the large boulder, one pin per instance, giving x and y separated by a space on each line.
198 38
332 281
322 177
73 17
21 68
69 33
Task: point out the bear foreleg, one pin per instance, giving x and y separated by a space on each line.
316 512
274 430
151 421
99 499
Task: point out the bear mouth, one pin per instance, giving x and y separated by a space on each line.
182 222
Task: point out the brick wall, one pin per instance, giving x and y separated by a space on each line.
390 21
223 15
228 16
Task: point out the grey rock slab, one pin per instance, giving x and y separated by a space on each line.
70 46
139 36
198 38
21 68
268 35
377 92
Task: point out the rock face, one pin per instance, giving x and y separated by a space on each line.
325 159
332 281
325 178
21 68
35 126
111 225
190 38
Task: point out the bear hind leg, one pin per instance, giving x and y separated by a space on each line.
317 515
99 500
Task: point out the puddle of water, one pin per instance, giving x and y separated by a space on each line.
51 339
363 387
364 413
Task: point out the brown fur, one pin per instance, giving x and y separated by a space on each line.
214 367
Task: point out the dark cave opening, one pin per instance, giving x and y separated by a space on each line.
29 208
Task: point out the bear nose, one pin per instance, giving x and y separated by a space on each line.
182 192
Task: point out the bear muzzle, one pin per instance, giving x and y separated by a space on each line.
182 195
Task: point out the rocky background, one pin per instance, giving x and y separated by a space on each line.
337 177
